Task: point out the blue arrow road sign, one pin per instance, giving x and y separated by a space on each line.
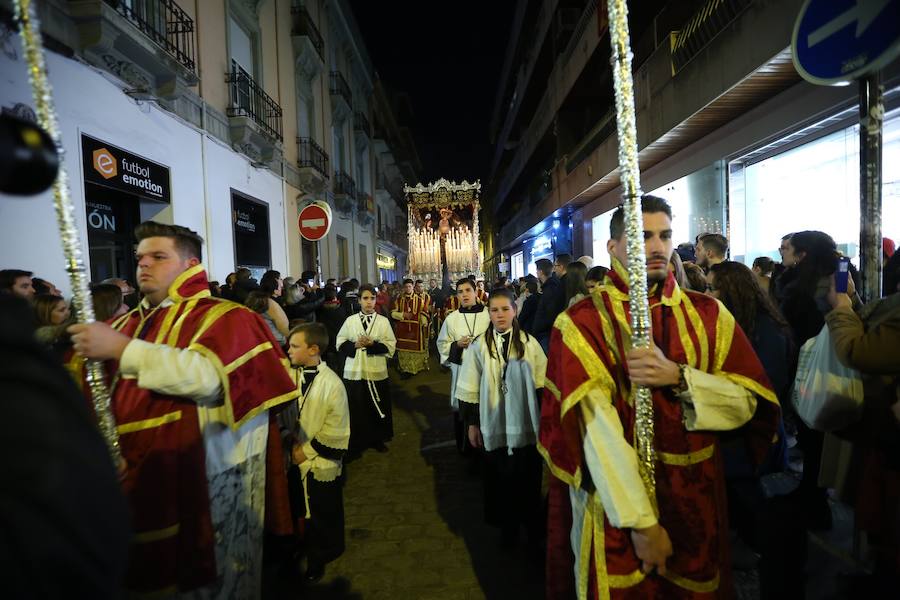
837 41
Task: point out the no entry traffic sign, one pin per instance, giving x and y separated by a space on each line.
837 41
314 221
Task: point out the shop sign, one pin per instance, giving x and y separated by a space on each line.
113 167
837 41
542 245
250 219
383 261
101 216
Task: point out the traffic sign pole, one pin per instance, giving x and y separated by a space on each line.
871 120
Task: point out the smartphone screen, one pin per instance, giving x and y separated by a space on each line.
841 275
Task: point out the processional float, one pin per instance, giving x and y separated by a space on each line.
30 32
443 230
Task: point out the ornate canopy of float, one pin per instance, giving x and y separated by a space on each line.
443 230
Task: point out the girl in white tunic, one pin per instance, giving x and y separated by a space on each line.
367 340
498 388
460 330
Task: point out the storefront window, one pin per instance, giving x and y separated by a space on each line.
252 247
814 186
600 235
697 201
518 265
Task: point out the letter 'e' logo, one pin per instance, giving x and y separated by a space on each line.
105 163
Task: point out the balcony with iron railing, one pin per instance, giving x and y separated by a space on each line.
148 44
304 26
361 123
164 22
310 154
365 214
341 97
247 99
344 184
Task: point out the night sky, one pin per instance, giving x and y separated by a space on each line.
447 56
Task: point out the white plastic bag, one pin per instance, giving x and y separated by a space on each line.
827 395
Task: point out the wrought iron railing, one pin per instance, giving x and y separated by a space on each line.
340 87
247 99
304 25
310 154
344 184
164 22
361 123
362 201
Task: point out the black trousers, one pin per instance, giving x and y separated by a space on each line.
323 536
367 426
512 490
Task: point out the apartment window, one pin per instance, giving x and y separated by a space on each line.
306 108
343 249
241 46
363 264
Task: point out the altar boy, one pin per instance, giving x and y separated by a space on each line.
367 341
317 434
458 333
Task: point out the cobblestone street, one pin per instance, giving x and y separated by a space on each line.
414 520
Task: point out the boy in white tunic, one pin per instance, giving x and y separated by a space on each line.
366 340
318 427
460 330
498 389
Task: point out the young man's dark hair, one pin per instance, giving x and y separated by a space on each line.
330 292
563 260
41 287
765 265
8 278
544 266
716 242
464 281
649 204
242 274
407 281
314 334
187 242
532 286
418 281
367 287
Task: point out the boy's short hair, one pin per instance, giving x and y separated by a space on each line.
188 243
314 334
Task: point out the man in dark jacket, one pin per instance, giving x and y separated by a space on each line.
529 305
65 522
243 285
553 296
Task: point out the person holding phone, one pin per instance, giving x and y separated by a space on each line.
803 291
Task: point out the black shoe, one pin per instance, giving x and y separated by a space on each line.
314 572
380 447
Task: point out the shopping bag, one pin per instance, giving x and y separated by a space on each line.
826 394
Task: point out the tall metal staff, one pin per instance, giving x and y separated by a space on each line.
30 32
634 232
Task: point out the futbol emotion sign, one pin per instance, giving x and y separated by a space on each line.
113 167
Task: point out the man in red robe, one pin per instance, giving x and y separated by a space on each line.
410 314
608 535
193 380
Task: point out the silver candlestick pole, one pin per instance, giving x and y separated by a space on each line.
30 32
630 175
